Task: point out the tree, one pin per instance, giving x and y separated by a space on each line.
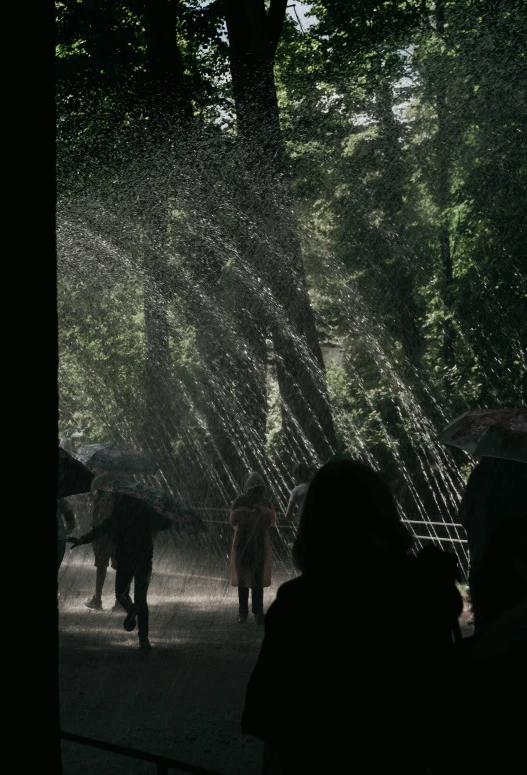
254 33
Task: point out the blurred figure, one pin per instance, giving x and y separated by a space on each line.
350 670
491 664
496 491
301 478
103 548
131 526
65 524
252 514
501 583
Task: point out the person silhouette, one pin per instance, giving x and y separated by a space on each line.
252 514
297 496
353 637
103 548
131 525
496 491
490 665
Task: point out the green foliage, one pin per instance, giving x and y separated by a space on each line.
380 104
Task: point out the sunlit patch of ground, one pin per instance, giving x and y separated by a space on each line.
184 698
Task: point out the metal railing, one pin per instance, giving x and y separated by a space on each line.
163 763
292 526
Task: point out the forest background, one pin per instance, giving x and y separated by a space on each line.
287 231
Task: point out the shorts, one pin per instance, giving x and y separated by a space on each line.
104 552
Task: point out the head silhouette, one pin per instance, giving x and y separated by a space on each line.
502 580
349 514
254 480
301 473
255 490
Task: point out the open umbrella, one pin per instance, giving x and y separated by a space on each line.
184 518
72 476
489 433
113 457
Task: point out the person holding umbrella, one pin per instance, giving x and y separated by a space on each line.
496 493
496 489
130 525
130 514
103 548
115 464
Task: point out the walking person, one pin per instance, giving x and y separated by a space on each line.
301 477
103 548
131 526
252 514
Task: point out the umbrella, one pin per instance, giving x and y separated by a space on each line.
489 433
72 476
113 457
185 519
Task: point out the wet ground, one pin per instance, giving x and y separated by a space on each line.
184 698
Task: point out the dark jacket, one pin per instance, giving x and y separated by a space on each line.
131 526
343 672
496 491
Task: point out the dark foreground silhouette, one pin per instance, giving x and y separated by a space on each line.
350 673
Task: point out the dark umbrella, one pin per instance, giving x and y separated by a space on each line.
184 518
489 433
72 476
113 457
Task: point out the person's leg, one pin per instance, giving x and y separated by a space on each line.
101 553
95 602
100 578
61 550
123 579
141 582
243 603
61 541
117 607
257 600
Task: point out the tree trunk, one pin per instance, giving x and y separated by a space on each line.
234 385
169 111
443 194
159 428
276 261
401 286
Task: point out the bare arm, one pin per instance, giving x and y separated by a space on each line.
99 530
289 510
